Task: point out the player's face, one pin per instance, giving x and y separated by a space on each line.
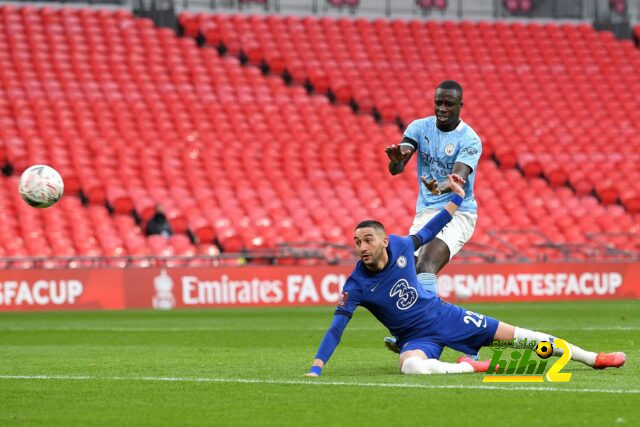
371 245
447 105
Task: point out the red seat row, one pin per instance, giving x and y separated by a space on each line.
516 75
133 116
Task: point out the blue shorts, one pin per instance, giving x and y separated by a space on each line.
454 327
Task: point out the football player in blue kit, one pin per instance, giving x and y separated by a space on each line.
384 282
445 145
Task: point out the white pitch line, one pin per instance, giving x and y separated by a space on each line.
170 329
263 329
589 328
316 382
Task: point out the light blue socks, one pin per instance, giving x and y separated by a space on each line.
428 282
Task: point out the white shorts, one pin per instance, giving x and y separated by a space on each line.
455 234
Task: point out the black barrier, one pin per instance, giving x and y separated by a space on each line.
161 12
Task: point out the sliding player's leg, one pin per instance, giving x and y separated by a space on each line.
506 332
420 356
467 331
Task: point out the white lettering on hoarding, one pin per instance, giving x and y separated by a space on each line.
331 287
225 291
41 292
301 288
297 289
536 284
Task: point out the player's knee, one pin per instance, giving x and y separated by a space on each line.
424 265
413 365
434 256
418 365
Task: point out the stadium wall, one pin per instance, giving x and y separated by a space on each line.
115 289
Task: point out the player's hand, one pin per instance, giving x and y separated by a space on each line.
311 374
455 183
396 154
432 186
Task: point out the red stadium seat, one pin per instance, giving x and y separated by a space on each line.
203 230
631 201
232 243
606 192
120 200
182 245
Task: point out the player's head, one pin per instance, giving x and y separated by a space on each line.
371 244
447 104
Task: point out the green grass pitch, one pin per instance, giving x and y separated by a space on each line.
245 367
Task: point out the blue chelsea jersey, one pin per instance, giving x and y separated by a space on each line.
437 152
393 294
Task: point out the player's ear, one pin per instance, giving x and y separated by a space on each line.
385 242
461 103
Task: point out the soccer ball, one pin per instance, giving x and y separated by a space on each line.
40 186
544 349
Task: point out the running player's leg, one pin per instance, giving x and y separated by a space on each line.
433 256
420 356
506 332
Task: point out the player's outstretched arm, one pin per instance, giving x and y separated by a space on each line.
436 188
438 222
455 183
328 345
399 155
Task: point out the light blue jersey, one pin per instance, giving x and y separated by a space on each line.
437 153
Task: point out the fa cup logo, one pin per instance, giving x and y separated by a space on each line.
163 299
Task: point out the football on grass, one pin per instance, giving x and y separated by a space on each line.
40 186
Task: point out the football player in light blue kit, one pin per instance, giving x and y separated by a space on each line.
384 282
445 145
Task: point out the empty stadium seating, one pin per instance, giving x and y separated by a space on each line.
540 95
133 116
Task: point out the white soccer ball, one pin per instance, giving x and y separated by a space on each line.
41 186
